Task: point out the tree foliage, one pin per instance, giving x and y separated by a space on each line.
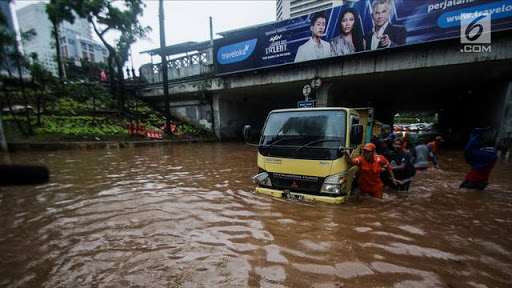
84 70
75 109
59 11
11 55
121 20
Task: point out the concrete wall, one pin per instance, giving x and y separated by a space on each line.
504 140
471 108
194 112
324 97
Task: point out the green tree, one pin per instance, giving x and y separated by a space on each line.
7 42
84 71
59 11
22 60
106 17
41 78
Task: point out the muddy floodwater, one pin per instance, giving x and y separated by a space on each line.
187 215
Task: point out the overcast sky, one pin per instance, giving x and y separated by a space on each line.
189 21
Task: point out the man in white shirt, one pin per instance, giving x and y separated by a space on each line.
384 34
315 47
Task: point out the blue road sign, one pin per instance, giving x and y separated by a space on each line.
306 104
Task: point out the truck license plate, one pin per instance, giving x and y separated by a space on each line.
294 196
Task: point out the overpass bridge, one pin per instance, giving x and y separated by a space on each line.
254 71
465 89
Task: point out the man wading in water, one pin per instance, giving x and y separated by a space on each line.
370 168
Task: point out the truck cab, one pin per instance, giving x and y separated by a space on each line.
300 153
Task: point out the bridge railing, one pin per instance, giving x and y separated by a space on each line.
187 66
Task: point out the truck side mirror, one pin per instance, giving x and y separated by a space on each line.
356 134
251 135
247 130
340 151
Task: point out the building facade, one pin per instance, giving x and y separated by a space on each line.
286 9
76 41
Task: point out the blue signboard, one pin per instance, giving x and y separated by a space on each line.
358 27
306 104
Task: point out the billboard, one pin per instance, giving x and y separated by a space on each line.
359 27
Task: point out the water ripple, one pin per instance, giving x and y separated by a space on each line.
164 217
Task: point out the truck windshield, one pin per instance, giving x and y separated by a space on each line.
319 128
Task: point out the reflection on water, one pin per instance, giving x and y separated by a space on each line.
187 216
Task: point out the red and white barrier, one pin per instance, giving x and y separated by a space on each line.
155 134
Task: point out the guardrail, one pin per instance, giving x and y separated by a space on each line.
183 67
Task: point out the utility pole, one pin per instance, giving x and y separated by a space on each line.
165 75
133 69
210 50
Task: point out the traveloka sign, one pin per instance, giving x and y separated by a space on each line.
236 52
497 11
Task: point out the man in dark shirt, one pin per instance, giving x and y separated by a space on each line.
400 161
481 155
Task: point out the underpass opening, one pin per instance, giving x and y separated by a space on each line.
463 96
250 106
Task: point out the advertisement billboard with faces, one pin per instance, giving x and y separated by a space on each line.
359 27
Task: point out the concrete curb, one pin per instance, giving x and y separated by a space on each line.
18 146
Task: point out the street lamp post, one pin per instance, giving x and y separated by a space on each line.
164 68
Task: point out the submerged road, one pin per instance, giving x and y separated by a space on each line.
187 215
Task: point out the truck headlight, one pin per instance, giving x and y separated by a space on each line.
262 179
334 184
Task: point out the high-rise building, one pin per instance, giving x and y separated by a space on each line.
286 9
76 41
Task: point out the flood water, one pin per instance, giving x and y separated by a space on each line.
187 215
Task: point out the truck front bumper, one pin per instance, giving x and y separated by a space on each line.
301 196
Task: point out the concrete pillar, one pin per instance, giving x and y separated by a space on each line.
504 139
216 114
323 99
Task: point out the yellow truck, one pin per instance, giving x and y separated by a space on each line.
300 152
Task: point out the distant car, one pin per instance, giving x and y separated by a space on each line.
414 127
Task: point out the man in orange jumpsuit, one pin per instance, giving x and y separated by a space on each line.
371 166
435 144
